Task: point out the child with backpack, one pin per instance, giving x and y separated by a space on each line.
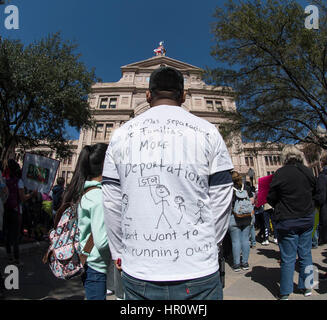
84 192
240 224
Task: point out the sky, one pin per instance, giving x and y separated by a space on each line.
111 33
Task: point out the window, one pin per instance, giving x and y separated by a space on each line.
63 174
98 131
249 161
108 102
275 160
209 104
113 103
267 160
278 160
218 105
109 127
270 160
103 103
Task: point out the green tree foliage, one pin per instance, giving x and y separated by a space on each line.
276 67
43 88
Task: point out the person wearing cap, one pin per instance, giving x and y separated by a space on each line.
291 194
174 169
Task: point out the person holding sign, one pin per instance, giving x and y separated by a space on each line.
174 169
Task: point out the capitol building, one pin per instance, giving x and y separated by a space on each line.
114 103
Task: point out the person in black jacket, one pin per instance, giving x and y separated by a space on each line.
291 194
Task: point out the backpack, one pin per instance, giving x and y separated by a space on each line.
64 254
243 206
12 202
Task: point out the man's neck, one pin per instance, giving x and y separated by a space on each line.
166 102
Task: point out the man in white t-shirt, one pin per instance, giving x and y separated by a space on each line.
167 193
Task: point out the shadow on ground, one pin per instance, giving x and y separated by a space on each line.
267 277
269 253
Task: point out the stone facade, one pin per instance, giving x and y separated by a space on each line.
115 103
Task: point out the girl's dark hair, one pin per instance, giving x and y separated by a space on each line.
89 165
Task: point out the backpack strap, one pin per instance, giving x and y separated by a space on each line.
87 248
64 206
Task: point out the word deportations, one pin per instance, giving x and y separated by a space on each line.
174 170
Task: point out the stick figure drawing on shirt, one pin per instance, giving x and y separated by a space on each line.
200 205
124 203
162 192
125 208
180 206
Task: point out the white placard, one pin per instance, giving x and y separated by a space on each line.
39 172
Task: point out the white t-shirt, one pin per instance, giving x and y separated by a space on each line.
167 225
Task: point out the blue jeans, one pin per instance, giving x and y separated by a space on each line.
240 231
315 238
204 288
252 231
95 284
292 243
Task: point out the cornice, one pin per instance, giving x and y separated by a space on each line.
211 90
106 89
204 114
146 65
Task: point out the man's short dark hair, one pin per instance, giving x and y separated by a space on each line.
166 83
61 181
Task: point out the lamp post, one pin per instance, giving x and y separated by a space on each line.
251 175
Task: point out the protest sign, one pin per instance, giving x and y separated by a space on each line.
39 172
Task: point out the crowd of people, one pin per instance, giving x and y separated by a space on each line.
158 216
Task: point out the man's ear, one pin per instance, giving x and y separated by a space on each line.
148 96
183 97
